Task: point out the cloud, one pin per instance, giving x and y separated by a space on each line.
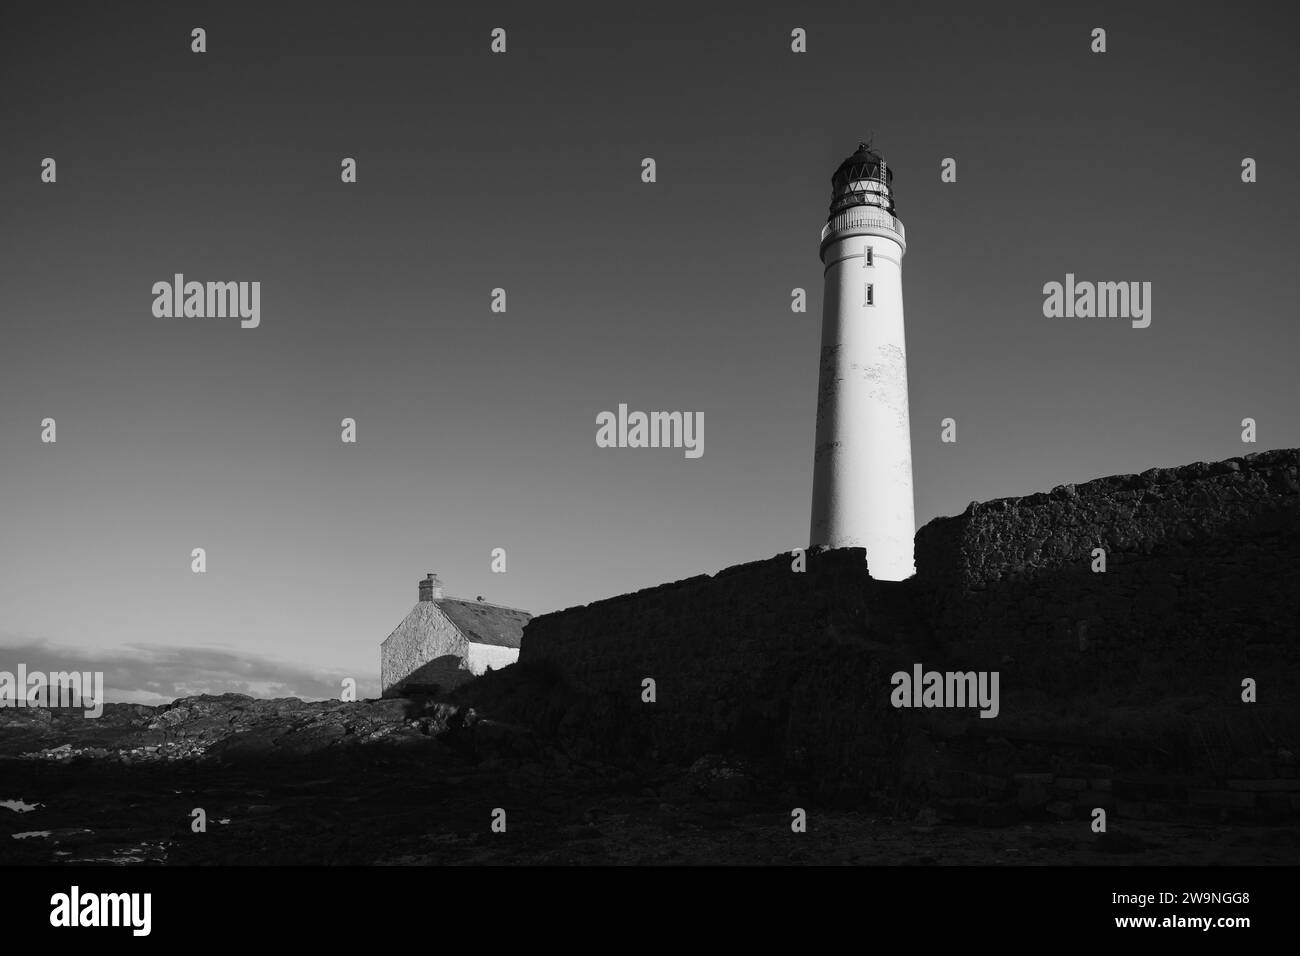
159 673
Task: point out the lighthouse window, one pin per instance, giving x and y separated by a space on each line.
868 294
867 258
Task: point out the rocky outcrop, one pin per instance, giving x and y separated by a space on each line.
225 727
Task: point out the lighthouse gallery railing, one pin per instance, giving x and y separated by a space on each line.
856 218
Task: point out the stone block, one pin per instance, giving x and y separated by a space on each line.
1031 796
1259 786
1234 799
1042 779
1131 809
1096 798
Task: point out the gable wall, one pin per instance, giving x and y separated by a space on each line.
426 635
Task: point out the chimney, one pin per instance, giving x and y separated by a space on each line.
431 588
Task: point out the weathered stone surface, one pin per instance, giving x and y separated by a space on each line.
1044 779
1221 798
1031 796
758 658
1096 798
1281 783
1130 809
1202 585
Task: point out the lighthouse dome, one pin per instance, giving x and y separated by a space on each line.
864 179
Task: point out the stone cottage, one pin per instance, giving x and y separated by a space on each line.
445 641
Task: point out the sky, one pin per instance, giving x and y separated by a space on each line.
475 429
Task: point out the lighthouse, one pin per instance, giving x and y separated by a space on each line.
862 465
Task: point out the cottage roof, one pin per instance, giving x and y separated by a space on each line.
485 623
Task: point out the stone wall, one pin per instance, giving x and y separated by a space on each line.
1139 667
425 639
728 653
1011 539
1202 568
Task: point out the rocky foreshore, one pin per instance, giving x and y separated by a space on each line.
210 727
414 782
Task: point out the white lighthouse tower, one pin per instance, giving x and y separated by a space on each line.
862 467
